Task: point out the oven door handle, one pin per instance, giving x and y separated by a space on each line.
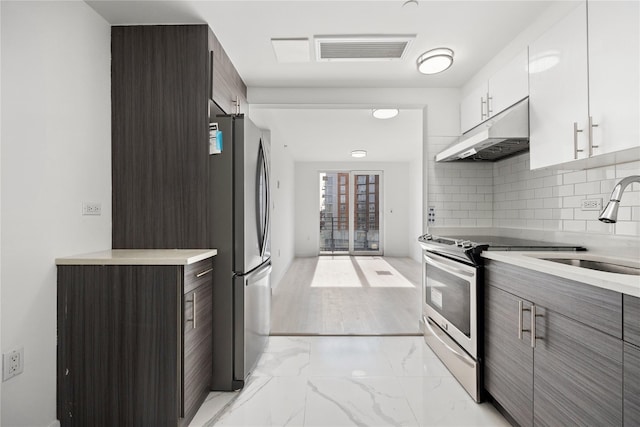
465 275
465 358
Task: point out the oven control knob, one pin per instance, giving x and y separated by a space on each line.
458 243
427 237
466 244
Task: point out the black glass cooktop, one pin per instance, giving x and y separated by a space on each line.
501 243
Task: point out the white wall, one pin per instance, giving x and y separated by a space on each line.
282 209
0 204
396 204
415 207
56 151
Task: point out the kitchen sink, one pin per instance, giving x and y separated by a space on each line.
597 265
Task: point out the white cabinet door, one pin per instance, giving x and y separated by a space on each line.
614 74
473 108
558 92
509 85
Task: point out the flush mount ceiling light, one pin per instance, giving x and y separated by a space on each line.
385 113
358 153
435 60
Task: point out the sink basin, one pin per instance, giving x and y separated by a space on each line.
597 265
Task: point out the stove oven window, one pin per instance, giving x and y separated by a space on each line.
450 296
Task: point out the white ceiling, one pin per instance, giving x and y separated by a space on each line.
475 30
331 135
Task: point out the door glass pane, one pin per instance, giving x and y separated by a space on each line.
334 219
366 213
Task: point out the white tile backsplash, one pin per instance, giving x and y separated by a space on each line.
507 194
559 199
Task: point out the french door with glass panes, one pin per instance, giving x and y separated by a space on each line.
351 212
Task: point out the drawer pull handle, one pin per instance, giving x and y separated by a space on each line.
521 309
576 131
591 126
193 318
202 273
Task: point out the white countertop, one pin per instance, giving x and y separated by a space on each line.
626 284
139 257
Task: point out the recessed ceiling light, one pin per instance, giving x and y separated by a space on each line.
358 153
385 113
435 60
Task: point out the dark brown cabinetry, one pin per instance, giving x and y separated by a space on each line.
162 79
571 373
128 351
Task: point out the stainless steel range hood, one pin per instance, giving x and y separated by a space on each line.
501 136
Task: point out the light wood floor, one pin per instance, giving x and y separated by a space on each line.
348 295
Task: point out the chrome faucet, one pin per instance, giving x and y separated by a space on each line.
610 212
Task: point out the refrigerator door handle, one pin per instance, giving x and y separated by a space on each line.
262 196
267 189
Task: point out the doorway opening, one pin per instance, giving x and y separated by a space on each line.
351 214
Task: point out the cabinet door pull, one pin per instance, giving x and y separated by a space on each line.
202 273
482 104
533 326
575 140
193 317
489 110
521 309
591 126
534 315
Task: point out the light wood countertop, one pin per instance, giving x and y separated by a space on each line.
139 257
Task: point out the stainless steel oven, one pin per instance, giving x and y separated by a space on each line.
450 316
452 299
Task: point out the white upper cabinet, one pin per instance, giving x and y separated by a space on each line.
583 87
473 108
614 74
509 85
505 88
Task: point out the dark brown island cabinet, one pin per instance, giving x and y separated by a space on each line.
134 337
557 351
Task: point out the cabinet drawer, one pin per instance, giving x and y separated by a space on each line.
631 319
197 348
197 274
599 308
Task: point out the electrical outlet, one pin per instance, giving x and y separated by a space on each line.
91 208
431 215
12 363
591 205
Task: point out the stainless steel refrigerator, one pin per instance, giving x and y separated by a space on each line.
240 231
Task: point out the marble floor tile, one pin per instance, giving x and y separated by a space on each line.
284 357
213 405
357 402
441 401
347 381
410 357
348 357
267 401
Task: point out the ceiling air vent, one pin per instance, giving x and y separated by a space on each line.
362 48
